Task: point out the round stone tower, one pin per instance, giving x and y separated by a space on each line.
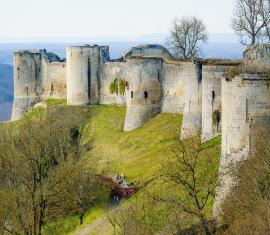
27 67
83 68
144 93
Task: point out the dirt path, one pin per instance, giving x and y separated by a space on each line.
100 226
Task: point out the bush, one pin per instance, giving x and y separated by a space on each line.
121 86
247 210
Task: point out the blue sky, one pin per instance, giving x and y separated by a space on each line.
110 18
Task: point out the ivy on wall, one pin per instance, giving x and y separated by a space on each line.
118 86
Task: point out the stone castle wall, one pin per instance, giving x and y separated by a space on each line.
144 93
110 71
53 79
192 113
36 78
245 106
174 78
258 55
211 100
211 104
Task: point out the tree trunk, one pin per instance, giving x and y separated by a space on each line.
81 219
42 209
204 225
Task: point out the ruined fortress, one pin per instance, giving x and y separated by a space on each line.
211 103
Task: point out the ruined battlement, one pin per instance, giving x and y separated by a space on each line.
258 55
148 50
38 75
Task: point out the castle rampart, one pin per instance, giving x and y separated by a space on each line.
144 93
245 107
174 78
192 113
37 75
111 71
211 100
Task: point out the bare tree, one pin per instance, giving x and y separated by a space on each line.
137 217
186 34
81 188
247 209
192 172
248 22
265 14
31 156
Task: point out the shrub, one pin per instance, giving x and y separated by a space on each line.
247 209
118 86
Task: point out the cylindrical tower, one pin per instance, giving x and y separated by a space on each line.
144 94
27 66
83 67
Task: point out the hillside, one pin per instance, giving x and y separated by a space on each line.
6 91
139 155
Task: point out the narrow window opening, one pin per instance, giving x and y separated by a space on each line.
131 94
18 68
246 110
52 88
213 97
27 90
145 95
158 76
89 77
200 72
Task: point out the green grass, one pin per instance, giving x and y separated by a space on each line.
34 113
56 101
137 154
68 225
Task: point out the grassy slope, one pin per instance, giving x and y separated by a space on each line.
137 154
